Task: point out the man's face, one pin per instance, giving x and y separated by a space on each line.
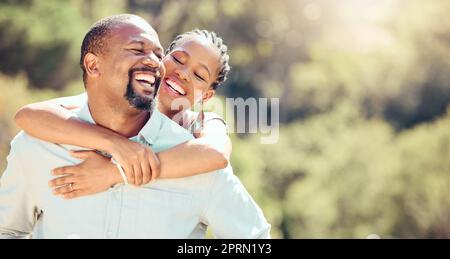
131 67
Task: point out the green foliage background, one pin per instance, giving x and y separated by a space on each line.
364 88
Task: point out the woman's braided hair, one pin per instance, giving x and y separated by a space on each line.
216 41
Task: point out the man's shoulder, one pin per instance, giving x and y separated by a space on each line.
171 133
25 142
72 101
226 175
23 138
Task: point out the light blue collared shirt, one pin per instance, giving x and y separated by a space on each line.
172 208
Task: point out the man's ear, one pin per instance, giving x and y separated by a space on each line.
91 63
207 95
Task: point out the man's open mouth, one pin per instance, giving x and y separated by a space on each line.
175 87
146 80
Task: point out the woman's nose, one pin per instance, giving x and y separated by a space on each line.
182 74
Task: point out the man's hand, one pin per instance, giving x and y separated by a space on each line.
95 174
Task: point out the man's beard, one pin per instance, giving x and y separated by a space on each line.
137 101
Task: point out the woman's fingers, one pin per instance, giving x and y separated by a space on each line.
137 175
65 189
62 181
146 171
70 192
65 170
81 154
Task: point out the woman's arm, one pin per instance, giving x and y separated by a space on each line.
50 121
54 123
210 151
187 159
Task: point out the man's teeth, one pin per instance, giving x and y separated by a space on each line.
144 77
176 87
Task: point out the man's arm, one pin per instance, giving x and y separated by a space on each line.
17 210
231 211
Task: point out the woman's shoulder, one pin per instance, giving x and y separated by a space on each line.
202 117
211 116
198 120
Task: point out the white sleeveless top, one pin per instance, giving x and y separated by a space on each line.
197 120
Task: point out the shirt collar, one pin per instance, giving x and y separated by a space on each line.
85 114
149 132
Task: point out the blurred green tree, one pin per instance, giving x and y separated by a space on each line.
364 90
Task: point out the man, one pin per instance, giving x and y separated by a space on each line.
178 208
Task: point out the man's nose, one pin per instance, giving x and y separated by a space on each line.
152 61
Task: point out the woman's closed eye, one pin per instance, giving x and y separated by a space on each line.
177 60
199 77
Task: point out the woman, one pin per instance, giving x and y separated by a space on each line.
196 64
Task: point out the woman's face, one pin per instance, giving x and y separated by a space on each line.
191 69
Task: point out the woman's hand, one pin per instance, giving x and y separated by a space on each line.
140 164
95 174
